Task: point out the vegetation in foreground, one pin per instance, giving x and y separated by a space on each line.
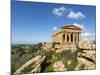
22 53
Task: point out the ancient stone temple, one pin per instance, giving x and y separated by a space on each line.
68 35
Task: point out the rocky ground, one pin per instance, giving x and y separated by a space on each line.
86 61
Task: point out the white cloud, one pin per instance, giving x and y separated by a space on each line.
86 34
79 25
94 34
54 28
76 15
59 11
70 13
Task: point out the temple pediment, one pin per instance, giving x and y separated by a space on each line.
71 27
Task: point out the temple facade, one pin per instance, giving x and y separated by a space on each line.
68 38
68 35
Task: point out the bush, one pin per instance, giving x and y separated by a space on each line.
49 68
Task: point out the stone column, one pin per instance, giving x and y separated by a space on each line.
69 37
76 37
73 37
62 37
65 37
79 36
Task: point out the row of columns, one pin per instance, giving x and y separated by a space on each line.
71 37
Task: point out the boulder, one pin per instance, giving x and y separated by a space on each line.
59 66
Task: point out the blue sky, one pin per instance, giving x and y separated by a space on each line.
34 22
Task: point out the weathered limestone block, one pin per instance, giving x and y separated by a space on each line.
36 66
88 64
27 64
47 46
73 48
86 45
57 46
67 47
59 66
77 68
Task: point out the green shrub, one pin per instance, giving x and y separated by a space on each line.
49 68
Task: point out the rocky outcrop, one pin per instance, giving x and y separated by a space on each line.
88 65
86 58
47 46
72 48
87 45
59 66
37 65
35 62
